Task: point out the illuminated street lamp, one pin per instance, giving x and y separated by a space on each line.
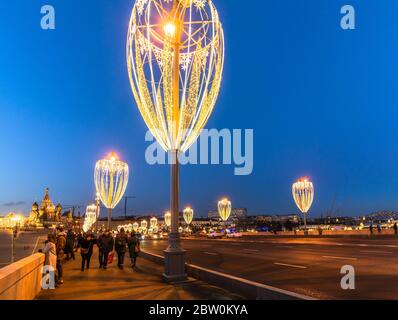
111 177
303 195
90 217
153 222
224 209
167 219
175 58
188 215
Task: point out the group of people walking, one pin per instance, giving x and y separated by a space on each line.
379 229
63 246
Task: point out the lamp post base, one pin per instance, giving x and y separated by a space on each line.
174 261
174 266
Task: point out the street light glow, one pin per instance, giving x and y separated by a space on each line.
167 219
188 215
303 194
170 29
111 177
224 209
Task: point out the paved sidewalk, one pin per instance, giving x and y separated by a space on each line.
142 283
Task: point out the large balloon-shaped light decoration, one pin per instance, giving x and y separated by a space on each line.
167 219
175 59
144 224
303 195
153 222
188 215
135 226
90 217
224 209
111 177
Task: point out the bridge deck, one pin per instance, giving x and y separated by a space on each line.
142 283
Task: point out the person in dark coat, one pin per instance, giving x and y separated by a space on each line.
86 250
105 246
120 247
60 246
70 245
395 228
134 248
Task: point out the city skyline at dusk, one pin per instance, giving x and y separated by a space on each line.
66 103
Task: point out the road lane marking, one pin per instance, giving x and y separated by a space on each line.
290 265
334 257
374 251
363 245
211 253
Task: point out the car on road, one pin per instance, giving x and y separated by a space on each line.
234 235
215 235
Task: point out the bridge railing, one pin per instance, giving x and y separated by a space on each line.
22 280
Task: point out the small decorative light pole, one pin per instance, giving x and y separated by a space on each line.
224 209
175 59
90 217
153 222
188 216
303 195
111 177
144 226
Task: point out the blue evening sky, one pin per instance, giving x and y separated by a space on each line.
323 102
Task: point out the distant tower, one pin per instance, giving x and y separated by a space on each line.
47 208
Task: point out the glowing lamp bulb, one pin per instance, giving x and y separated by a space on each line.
170 29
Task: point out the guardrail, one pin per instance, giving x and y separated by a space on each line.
22 279
246 288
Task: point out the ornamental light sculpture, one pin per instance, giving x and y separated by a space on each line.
90 217
188 215
303 195
144 224
167 219
175 58
153 222
111 177
135 226
224 209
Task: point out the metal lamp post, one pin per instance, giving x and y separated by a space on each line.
175 58
111 177
303 195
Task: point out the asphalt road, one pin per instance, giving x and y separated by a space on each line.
25 244
306 266
5 248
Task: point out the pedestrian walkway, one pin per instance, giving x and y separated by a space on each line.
142 283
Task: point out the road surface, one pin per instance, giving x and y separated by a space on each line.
25 244
306 266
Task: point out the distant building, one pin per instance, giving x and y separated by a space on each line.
382 216
236 213
47 211
282 218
